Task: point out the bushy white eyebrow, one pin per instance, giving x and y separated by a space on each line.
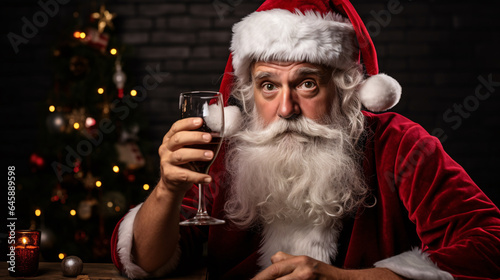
262 75
303 71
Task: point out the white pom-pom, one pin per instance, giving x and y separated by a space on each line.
232 118
379 93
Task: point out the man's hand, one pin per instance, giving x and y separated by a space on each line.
156 226
177 175
286 267
296 267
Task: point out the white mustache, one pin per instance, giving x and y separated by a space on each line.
301 128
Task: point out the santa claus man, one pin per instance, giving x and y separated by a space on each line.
311 185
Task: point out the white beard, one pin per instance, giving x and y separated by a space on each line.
297 179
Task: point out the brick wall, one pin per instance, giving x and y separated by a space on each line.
444 54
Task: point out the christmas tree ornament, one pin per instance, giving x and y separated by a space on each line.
56 122
36 162
104 19
85 208
128 150
130 134
119 77
81 236
96 39
59 194
90 122
77 166
89 180
130 154
71 266
129 175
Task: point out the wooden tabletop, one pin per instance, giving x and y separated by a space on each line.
91 271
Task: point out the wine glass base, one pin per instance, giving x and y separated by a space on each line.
202 220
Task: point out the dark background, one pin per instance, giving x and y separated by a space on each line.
440 51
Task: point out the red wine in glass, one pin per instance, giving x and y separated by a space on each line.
209 106
214 145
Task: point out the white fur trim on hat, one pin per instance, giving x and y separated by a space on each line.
279 35
379 93
416 265
124 250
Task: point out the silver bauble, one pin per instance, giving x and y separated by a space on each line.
71 266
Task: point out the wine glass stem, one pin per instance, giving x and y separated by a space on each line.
202 208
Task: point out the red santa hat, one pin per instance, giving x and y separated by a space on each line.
326 32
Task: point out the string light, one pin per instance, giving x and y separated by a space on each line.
113 51
116 169
52 108
133 92
79 35
76 125
98 184
145 187
72 212
100 90
109 204
38 212
117 208
61 256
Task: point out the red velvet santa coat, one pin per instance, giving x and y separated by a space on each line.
424 200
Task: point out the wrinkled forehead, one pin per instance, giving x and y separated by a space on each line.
264 69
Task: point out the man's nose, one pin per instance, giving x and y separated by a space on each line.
289 107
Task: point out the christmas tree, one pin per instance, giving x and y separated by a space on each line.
90 166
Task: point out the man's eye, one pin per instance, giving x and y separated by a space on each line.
269 87
308 85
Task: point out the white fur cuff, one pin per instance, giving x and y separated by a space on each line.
416 265
124 250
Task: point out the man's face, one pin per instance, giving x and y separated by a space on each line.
288 89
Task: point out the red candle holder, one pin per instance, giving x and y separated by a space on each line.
27 251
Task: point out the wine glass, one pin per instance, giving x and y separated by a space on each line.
209 106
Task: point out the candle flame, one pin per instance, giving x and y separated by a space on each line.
24 240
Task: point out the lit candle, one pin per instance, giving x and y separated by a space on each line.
26 250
